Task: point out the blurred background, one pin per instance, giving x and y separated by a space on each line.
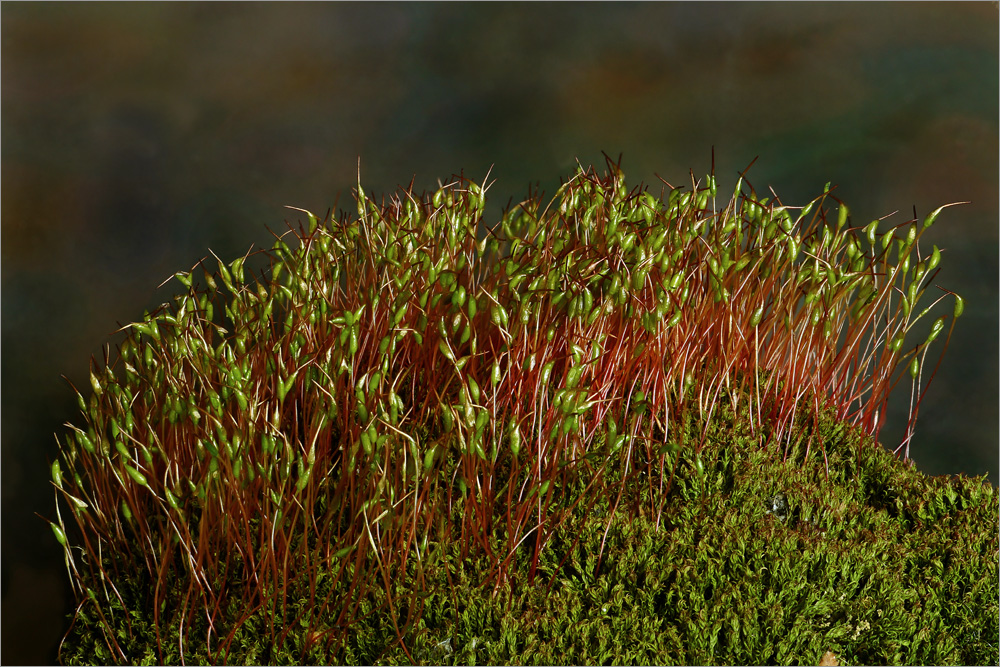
137 136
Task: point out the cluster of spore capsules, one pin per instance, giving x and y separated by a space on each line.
411 376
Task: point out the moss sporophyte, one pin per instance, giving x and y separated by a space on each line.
613 427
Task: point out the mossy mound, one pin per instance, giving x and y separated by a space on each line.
611 428
750 561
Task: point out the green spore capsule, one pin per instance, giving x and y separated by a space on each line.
58 532
842 214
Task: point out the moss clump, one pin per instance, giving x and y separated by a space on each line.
407 428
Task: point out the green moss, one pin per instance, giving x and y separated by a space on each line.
875 562
616 429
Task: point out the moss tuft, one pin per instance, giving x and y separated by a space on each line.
612 428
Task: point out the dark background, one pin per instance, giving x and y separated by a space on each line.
136 137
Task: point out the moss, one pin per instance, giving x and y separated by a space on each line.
616 429
874 561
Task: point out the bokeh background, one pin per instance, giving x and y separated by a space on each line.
137 136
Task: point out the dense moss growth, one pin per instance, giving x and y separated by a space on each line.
611 428
754 561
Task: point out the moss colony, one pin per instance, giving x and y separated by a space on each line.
620 428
